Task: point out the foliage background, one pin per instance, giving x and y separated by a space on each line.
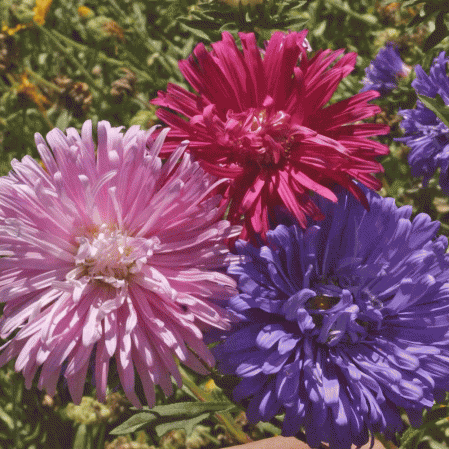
63 61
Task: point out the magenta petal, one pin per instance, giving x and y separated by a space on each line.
255 67
248 118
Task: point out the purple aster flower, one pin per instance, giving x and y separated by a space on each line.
107 253
342 324
425 133
384 70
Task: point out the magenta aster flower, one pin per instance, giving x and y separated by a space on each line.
107 253
259 118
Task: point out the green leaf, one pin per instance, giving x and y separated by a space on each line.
63 121
436 445
136 422
409 3
179 414
29 438
81 438
269 428
6 419
436 414
189 409
437 106
187 424
318 31
409 438
195 31
142 118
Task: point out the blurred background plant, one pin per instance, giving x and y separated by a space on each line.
63 61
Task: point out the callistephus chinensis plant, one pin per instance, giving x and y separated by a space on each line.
259 118
343 324
385 69
108 254
425 133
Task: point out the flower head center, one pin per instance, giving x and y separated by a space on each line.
110 255
345 317
259 137
340 309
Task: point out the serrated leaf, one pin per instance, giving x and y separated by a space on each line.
173 413
189 409
187 424
136 422
437 106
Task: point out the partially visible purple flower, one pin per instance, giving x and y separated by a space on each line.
106 253
425 133
343 324
384 70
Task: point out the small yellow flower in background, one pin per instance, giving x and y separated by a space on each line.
85 12
11 31
41 10
31 91
210 385
114 30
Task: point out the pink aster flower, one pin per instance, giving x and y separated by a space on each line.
259 118
107 253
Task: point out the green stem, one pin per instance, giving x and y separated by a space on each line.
14 414
314 15
387 443
47 121
43 81
68 52
368 19
144 38
101 436
90 437
49 424
101 56
3 84
145 104
225 418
